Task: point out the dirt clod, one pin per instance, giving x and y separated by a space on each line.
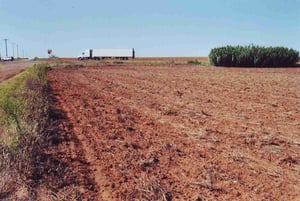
179 132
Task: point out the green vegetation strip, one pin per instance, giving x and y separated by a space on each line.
197 62
24 112
253 56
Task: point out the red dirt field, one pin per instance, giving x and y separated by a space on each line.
175 133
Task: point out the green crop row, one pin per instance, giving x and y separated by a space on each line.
253 56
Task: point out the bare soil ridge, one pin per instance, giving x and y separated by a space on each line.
177 132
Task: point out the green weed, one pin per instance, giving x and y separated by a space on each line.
197 62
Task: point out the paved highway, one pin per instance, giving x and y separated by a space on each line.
9 69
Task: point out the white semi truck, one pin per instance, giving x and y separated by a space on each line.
6 58
97 54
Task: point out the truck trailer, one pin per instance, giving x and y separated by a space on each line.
97 54
7 58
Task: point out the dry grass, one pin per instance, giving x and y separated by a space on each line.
168 61
149 189
68 193
24 114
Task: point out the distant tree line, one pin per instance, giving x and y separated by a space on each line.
253 56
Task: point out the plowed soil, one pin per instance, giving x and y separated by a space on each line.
176 133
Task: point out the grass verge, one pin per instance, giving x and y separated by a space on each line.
24 114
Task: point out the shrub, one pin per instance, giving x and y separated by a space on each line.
118 62
194 62
197 62
253 56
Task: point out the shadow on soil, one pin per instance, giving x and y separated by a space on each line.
54 168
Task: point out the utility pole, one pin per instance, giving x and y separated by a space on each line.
6 45
17 51
23 53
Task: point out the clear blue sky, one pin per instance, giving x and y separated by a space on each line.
152 27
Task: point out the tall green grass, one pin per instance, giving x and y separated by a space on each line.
24 111
253 56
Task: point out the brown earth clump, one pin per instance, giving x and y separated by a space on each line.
174 133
